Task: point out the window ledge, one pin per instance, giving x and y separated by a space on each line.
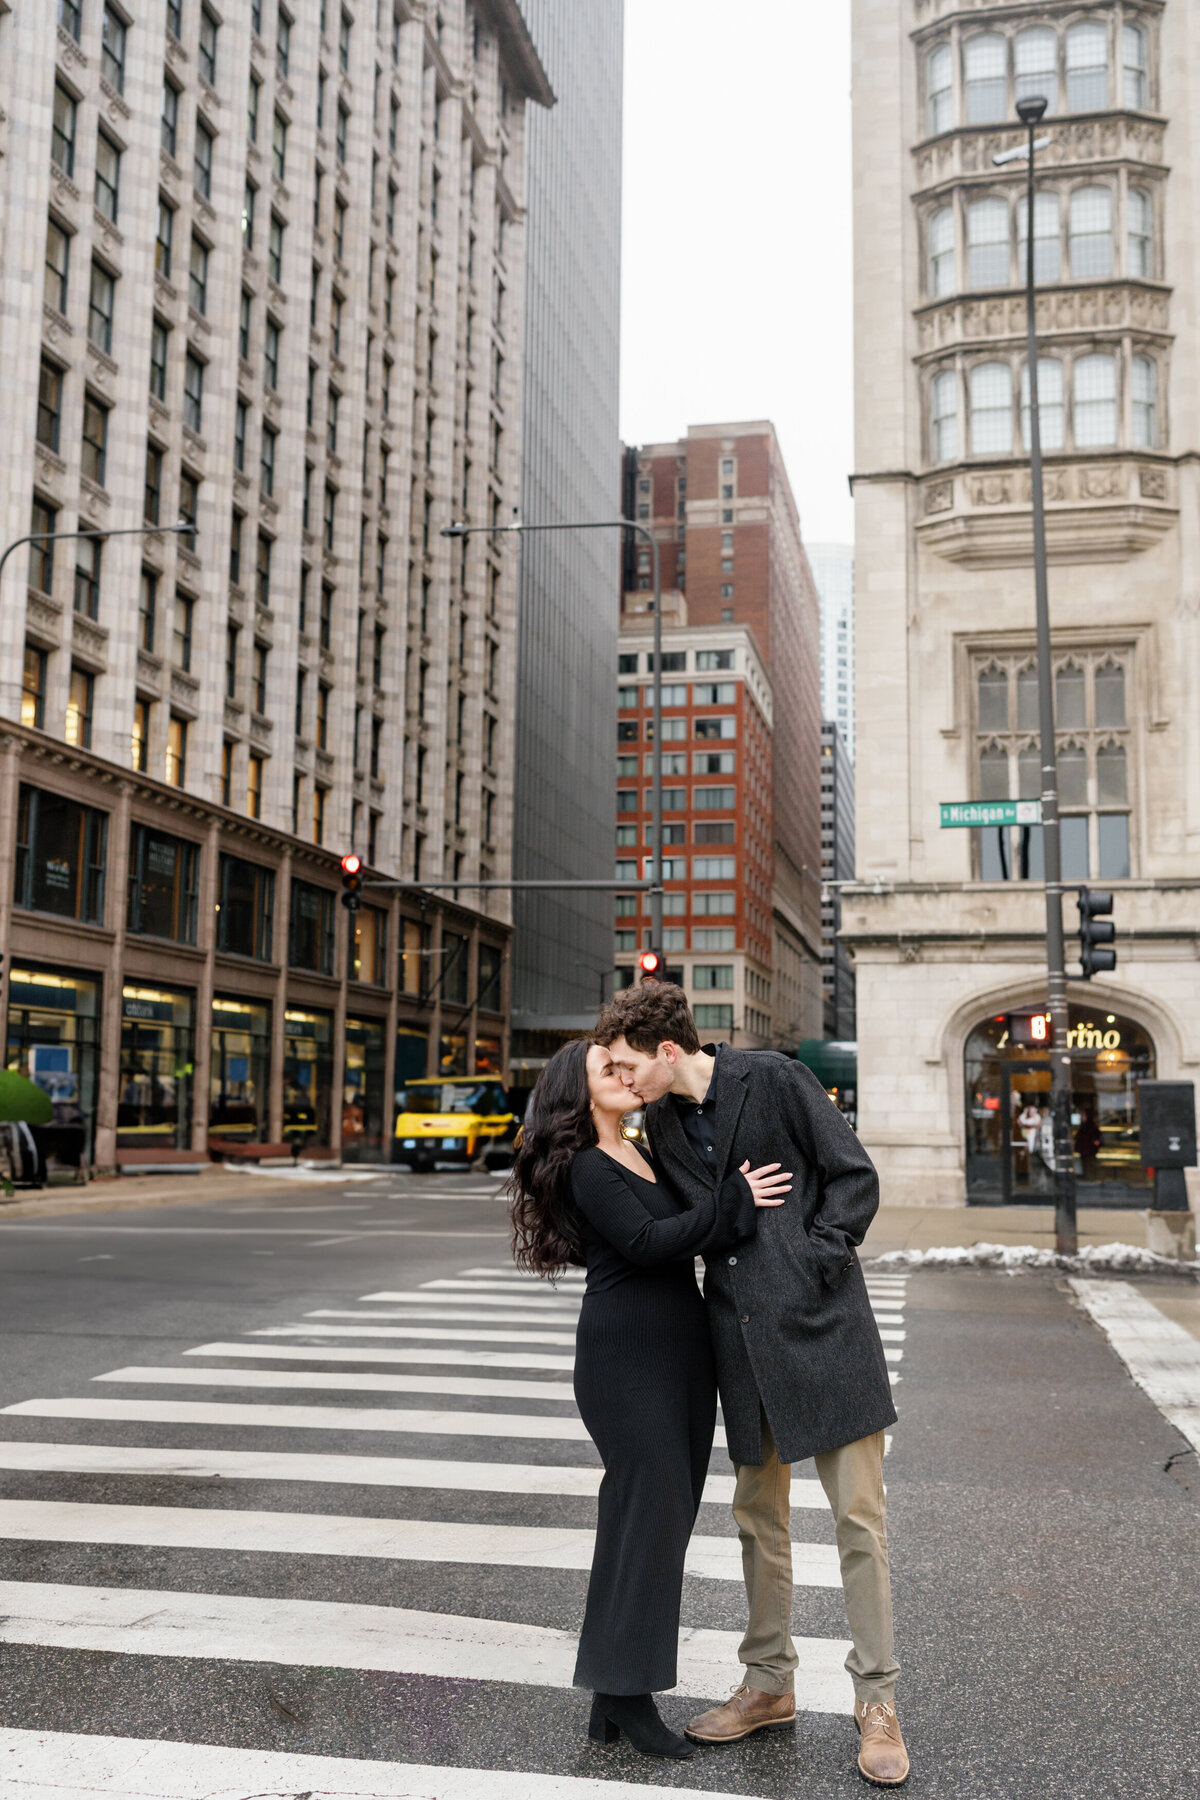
1106 509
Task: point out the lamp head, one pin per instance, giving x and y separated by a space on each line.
453 531
1032 110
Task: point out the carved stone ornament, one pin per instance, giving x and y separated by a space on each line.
90 639
939 496
42 616
1152 483
990 490
260 729
1104 483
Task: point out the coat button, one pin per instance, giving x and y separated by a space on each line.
732 1260
745 1318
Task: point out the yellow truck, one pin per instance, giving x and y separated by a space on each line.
451 1120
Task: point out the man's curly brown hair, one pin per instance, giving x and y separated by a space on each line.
654 1013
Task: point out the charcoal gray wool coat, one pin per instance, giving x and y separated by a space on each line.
791 1322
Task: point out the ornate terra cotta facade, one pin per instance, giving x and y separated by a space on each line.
947 927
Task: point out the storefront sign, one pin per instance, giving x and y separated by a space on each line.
960 813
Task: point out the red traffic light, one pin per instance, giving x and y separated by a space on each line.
351 864
650 965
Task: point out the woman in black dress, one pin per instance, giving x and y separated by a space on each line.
644 1375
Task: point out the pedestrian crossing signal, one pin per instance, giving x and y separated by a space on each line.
650 965
352 881
1031 1028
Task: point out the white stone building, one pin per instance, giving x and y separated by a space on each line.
261 268
947 925
833 571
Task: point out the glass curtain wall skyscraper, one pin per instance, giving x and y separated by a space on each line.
567 610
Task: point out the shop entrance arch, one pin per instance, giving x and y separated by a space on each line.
1009 1145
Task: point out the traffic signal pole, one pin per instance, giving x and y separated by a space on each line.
1031 112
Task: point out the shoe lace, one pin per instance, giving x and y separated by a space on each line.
879 1713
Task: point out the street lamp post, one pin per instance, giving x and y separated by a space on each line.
54 537
642 531
1031 112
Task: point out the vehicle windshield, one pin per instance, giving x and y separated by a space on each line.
486 1097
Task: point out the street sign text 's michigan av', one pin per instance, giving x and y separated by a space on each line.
990 812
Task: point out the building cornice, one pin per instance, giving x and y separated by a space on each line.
518 49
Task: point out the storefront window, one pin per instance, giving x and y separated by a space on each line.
414 960
362 1098
307 1075
487 1056
454 968
162 885
1010 1147
368 946
310 932
60 856
239 1078
54 1039
412 1055
490 958
245 909
154 1103
452 1054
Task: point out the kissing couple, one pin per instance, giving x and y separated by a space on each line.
753 1167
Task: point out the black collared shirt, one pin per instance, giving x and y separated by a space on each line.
699 1118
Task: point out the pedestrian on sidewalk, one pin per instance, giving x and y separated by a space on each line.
799 1360
644 1376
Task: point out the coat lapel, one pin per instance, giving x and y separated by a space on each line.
731 1097
670 1142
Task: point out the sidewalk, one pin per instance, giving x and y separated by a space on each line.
934 1227
131 1192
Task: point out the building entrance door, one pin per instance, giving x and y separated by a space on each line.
1009 1144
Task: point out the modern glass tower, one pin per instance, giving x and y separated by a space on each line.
567 611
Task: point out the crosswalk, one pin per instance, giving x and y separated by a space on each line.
225 1494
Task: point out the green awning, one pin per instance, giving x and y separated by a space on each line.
834 1061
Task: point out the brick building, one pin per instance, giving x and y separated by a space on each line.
721 507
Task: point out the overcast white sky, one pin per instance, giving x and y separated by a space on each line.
737 279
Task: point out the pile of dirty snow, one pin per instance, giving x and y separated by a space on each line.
1015 1258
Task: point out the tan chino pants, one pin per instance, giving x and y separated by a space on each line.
853 1481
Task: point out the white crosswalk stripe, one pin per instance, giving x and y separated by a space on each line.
69 1766
484 1336
234 1628
326 1534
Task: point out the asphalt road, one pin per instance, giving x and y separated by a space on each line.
1044 1559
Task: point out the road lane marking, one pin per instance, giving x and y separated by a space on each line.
346 1471
251 1629
1162 1357
474 1386
482 1336
512 1274
310 1418
432 1314
50 1765
418 1297
396 1540
470 1359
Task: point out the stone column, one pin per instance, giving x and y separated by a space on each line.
472 1024
435 959
343 926
116 888
10 767
206 938
392 969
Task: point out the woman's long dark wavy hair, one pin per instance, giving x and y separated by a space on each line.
558 1122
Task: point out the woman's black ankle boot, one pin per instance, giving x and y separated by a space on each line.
637 1716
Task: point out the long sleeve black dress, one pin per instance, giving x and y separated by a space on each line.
647 1391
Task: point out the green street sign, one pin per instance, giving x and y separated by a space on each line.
959 813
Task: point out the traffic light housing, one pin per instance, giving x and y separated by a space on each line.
352 881
650 965
1095 932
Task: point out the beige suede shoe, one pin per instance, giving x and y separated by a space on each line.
747 1710
882 1758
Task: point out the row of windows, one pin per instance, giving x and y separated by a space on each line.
678 730
703 762
704 831
996 235
1072 70
674 662
1079 406
1084 696
706 904
710 693
81 699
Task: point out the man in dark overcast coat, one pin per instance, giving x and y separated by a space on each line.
799 1360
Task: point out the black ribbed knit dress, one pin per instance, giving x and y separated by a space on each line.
647 1390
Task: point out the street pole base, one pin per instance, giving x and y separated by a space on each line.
1172 1234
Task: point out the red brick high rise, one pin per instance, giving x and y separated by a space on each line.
722 509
